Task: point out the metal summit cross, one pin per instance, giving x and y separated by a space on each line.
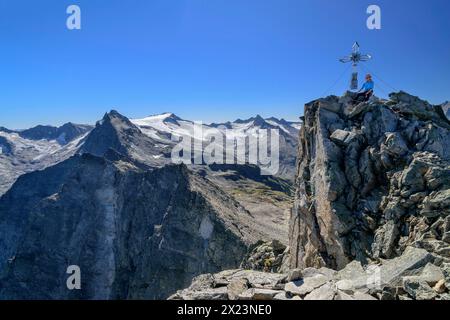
356 57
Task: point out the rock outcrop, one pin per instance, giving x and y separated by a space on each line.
372 180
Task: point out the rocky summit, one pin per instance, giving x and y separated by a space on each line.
372 180
370 218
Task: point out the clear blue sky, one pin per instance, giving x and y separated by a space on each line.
209 60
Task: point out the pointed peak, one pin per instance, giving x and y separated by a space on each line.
115 116
259 121
112 113
171 117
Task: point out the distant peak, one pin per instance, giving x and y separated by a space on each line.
259 121
114 114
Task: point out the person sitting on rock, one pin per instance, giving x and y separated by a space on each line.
367 89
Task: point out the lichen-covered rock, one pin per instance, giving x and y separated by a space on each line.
372 180
268 256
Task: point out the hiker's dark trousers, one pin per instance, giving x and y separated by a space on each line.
364 96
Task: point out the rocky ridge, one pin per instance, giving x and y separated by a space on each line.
135 234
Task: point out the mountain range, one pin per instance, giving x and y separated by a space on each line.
147 140
88 189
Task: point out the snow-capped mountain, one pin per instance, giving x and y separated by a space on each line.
146 141
164 127
36 148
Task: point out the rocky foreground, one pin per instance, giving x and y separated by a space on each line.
371 211
411 276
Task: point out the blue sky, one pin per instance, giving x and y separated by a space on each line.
209 60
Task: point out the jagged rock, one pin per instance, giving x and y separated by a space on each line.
392 271
372 180
342 137
294 274
395 145
363 296
282 296
207 294
307 285
352 271
259 294
236 287
440 286
326 292
266 256
418 289
430 274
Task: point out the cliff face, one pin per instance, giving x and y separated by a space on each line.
134 233
372 179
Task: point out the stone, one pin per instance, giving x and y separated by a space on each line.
236 287
346 286
325 292
258 294
281 296
342 295
340 137
363 296
418 289
440 286
206 294
293 287
257 279
392 271
307 285
395 145
294 275
352 270
265 256
431 274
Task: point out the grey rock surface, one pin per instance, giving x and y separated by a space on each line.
372 180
